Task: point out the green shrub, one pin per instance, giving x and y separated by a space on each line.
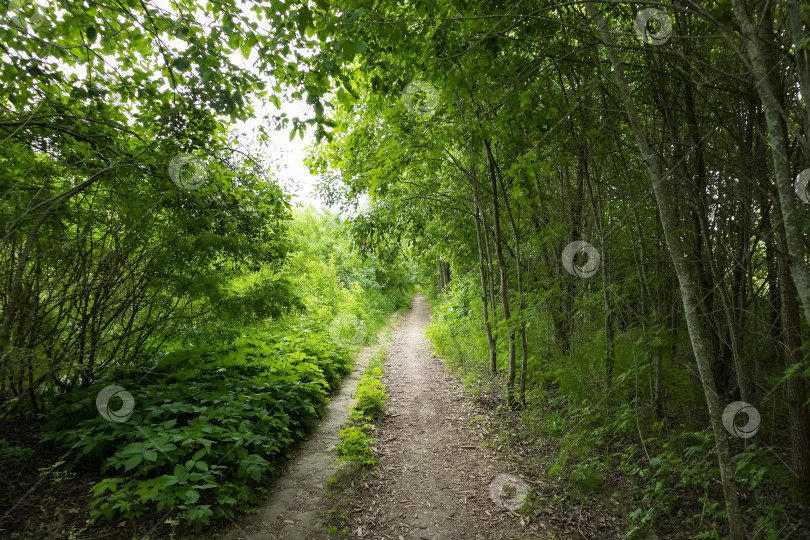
588 475
18 454
355 445
209 425
370 397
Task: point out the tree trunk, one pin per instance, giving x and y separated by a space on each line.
687 284
796 391
524 347
507 312
802 61
644 294
16 284
732 323
493 359
490 274
757 37
796 394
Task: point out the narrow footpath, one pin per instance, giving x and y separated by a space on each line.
434 479
435 475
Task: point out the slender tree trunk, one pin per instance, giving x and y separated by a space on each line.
644 294
524 347
14 297
796 394
659 361
796 390
443 269
490 273
802 61
610 336
507 312
732 323
16 285
493 360
757 38
687 282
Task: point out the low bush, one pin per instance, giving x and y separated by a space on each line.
355 445
370 397
209 425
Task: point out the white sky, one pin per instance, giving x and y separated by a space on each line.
295 178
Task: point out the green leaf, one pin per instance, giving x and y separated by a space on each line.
133 462
227 24
92 34
181 64
191 496
181 473
304 18
348 51
150 455
165 480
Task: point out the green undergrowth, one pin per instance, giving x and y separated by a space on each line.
209 425
602 444
356 437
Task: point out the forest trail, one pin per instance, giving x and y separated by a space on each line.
433 476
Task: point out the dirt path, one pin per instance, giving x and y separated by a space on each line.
433 478
434 474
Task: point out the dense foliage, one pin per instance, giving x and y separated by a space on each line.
216 409
611 198
356 438
212 424
595 439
